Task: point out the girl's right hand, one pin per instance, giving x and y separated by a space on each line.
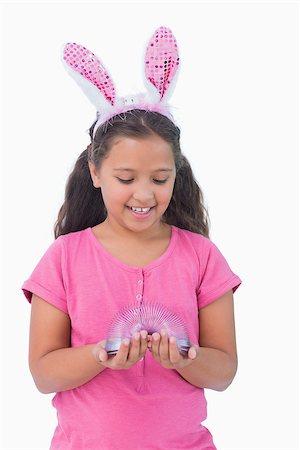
128 354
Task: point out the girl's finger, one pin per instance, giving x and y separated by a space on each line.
121 357
103 356
149 343
99 351
144 341
192 353
164 346
155 345
174 352
134 351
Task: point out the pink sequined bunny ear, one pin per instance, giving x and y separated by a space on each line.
162 63
90 74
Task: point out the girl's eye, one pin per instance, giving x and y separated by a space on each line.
160 181
124 181
129 181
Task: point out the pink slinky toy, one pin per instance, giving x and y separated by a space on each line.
161 70
152 317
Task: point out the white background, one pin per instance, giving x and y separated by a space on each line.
236 101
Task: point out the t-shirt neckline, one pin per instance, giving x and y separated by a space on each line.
127 267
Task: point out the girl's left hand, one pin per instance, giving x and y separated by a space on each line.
165 351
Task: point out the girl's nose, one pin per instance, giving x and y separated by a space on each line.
143 195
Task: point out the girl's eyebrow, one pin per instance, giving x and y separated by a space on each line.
163 169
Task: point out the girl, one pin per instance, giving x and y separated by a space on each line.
132 230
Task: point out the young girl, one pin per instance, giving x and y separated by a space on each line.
132 230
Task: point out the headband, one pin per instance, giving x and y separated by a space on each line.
161 66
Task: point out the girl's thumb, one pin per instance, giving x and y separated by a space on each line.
99 352
102 355
193 352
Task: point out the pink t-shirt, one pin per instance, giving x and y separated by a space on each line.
146 407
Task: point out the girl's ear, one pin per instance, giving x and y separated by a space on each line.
94 175
162 63
90 74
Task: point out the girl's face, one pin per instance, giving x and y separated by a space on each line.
137 173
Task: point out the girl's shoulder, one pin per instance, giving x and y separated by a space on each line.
191 237
202 247
73 236
71 243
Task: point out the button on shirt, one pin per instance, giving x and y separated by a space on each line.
146 406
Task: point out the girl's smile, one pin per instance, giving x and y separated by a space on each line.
141 213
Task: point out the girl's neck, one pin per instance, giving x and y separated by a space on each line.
115 231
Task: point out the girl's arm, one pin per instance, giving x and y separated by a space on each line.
216 362
54 365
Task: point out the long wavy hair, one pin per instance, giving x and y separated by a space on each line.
83 204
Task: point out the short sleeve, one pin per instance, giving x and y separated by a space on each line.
48 277
216 277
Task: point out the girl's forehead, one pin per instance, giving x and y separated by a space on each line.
149 150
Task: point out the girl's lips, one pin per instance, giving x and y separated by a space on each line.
139 206
140 215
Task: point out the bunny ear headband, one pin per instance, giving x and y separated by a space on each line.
161 66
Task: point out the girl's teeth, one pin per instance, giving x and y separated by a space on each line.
141 210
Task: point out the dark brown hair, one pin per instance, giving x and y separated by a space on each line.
83 204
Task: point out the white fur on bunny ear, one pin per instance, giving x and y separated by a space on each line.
90 74
161 64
